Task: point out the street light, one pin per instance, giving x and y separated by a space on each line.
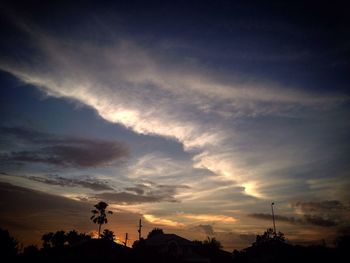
273 218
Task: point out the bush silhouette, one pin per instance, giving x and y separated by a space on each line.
155 232
108 235
8 245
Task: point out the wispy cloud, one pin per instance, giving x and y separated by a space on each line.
142 193
328 213
87 182
315 220
210 218
161 221
320 207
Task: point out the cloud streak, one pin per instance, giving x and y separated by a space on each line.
65 151
210 218
161 221
143 193
90 183
307 219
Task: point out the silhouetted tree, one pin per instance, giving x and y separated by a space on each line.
30 253
268 236
83 236
58 239
99 215
343 242
209 248
72 237
47 240
8 245
139 244
212 243
155 232
108 235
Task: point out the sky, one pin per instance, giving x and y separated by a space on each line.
193 116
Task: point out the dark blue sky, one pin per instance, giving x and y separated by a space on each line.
293 42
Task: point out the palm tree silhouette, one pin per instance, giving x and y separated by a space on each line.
99 215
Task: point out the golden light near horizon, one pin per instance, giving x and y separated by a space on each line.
161 221
251 188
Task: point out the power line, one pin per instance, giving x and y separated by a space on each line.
273 218
126 239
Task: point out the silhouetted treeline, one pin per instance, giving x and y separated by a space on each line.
60 238
271 247
159 247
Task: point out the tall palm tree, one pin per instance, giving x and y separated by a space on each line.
99 215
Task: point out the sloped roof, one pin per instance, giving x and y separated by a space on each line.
162 239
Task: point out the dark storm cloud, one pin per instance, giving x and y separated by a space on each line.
40 147
307 219
90 183
142 193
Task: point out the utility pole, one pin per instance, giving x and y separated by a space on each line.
139 230
273 218
126 239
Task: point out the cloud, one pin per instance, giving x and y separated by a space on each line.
90 183
268 217
162 221
210 218
320 221
65 151
319 207
326 213
130 198
143 193
307 219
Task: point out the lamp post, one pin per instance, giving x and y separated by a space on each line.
273 218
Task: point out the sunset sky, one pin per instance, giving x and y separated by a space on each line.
193 116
